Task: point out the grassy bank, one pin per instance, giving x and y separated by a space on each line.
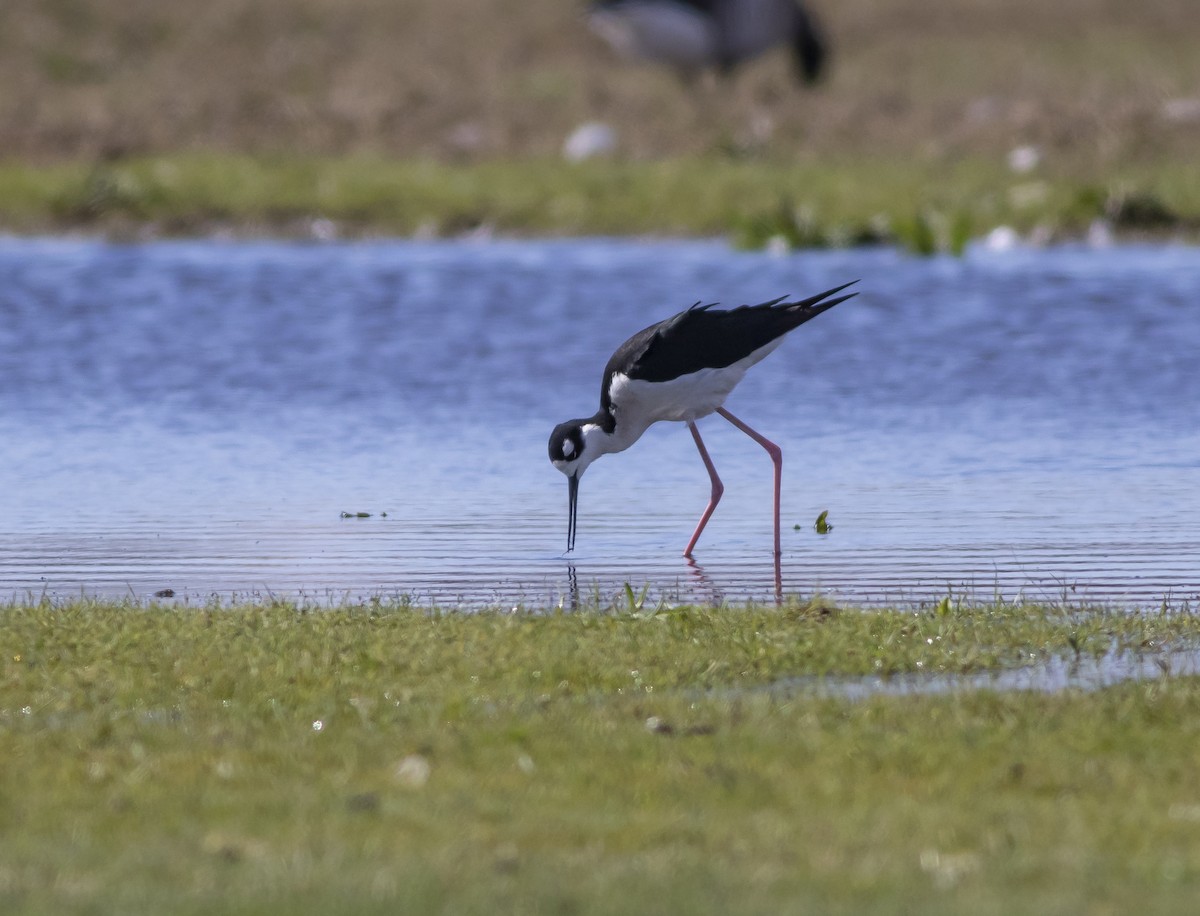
262 759
1085 81
442 116
802 204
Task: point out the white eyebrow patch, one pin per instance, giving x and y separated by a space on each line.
568 448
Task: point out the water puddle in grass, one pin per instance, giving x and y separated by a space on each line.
196 417
1052 674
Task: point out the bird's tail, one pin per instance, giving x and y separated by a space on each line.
814 305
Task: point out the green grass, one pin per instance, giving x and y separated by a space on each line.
143 118
923 205
266 759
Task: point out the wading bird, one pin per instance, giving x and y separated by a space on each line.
681 369
696 35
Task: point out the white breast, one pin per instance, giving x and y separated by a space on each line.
688 397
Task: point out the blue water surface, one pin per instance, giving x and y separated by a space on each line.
196 416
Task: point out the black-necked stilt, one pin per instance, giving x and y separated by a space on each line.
681 369
697 35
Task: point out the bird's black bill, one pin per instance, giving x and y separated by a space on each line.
572 503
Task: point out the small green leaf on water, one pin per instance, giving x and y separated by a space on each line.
822 525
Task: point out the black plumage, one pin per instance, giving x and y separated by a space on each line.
703 337
736 31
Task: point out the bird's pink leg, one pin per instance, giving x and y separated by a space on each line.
776 454
717 489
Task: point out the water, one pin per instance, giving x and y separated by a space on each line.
195 416
1049 674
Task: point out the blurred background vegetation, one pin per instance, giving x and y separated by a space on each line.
1104 95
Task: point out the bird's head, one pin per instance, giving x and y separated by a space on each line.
567 448
571 454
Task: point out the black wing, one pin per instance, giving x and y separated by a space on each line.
701 337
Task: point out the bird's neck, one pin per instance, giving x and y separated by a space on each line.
606 433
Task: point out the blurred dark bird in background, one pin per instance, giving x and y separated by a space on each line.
697 35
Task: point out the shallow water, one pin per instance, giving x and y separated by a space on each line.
196 416
1049 674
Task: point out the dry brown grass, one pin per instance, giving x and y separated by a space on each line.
1087 80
